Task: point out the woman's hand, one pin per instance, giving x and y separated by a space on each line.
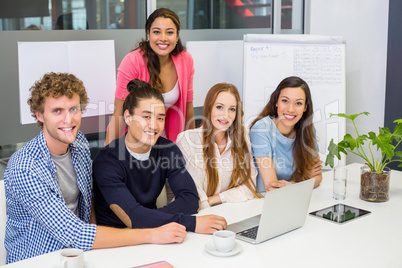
316 169
275 185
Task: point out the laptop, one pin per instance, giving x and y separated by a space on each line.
284 210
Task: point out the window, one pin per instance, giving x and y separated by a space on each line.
131 14
71 14
235 14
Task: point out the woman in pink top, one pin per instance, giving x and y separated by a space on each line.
162 61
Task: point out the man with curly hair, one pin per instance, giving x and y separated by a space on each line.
48 182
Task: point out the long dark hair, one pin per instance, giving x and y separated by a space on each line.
139 90
153 64
241 173
304 141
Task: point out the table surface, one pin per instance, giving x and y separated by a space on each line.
370 241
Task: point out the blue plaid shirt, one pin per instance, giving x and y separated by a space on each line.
39 220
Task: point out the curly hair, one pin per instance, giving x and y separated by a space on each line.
55 85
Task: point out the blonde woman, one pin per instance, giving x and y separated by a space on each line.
218 154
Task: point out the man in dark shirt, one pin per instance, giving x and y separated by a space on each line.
130 173
48 200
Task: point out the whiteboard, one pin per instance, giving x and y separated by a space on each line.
215 62
319 60
93 62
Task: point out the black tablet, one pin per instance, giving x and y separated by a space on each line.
340 213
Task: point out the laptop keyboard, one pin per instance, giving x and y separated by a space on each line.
250 233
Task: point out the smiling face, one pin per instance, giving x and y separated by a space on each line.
290 108
223 111
61 120
145 125
163 36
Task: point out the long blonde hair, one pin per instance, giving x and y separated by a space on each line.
241 173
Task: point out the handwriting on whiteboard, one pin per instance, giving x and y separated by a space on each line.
317 64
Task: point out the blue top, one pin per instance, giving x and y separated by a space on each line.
135 185
39 220
267 140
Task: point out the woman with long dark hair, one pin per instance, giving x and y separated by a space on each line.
283 140
162 61
218 154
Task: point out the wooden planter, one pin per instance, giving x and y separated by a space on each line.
374 187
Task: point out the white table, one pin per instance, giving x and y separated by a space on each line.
371 241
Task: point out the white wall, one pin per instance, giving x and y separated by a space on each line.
364 25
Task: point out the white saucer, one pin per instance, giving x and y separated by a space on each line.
210 248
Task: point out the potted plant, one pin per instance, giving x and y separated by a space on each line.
375 175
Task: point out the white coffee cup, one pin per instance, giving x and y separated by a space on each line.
72 258
224 241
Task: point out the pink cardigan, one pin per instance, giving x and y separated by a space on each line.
134 66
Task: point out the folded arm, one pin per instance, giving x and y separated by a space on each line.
316 171
107 237
182 185
126 207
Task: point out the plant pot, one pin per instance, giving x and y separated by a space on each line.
374 187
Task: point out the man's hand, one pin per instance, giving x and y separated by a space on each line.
209 224
168 233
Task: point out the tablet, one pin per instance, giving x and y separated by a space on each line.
340 213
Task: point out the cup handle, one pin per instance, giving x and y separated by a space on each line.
64 263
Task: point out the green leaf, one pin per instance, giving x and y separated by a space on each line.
360 140
383 142
329 161
350 117
343 144
350 141
398 154
397 135
328 215
334 150
349 215
384 130
337 149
